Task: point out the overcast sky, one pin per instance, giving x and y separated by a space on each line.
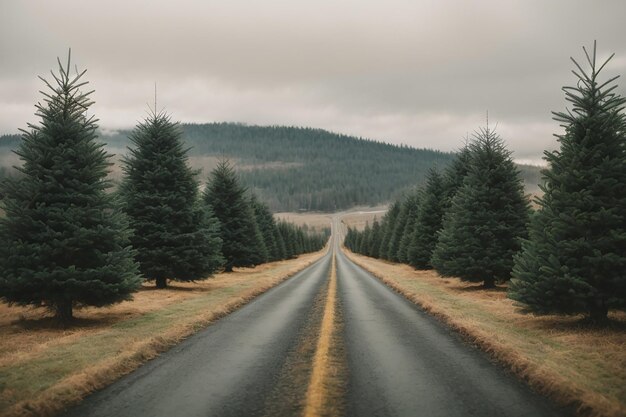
418 72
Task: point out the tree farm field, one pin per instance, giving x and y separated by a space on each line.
45 367
560 356
356 217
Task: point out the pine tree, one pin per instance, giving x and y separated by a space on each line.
375 241
267 225
454 175
428 223
64 242
398 230
366 239
242 242
575 258
488 217
412 204
175 237
389 223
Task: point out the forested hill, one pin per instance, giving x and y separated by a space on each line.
294 168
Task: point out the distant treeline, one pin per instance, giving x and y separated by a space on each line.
293 168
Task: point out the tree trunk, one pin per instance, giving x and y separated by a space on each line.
161 282
598 310
228 268
489 283
64 311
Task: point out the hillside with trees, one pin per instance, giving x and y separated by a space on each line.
303 169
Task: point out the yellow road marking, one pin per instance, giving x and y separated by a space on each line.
317 393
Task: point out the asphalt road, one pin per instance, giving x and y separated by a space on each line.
226 370
403 362
400 361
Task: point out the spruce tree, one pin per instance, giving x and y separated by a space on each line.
488 217
375 241
398 229
267 225
389 223
454 175
175 237
575 258
64 241
242 242
412 204
428 223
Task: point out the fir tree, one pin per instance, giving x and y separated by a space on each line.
454 175
389 223
412 204
488 217
366 240
398 230
175 238
267 225
375 241
428 223
242 242
64 241
575 258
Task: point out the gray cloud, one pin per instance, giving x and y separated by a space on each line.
416 72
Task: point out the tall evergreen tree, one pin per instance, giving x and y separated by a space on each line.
454 175
389 224
267 226
575 258
242 242
396 235
488 217
175 238
428 223
412 204
375 240
64 242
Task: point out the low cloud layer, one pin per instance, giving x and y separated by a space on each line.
422 73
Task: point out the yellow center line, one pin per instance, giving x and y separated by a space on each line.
317 392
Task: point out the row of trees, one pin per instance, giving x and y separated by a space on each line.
466 223
474 222
66 240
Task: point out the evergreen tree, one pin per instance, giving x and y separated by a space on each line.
389 223
575 258
63 241
398 229
489 214
454 176
428 223
375 240
175 238
242 242
412 204
267 226
366 240
280 244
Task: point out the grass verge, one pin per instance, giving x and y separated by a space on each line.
561 357
44 369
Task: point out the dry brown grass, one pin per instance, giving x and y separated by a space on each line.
358 219
562 357
44 368
315 221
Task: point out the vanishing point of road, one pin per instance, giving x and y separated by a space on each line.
399 361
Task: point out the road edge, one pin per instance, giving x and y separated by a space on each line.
562 395
71 390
